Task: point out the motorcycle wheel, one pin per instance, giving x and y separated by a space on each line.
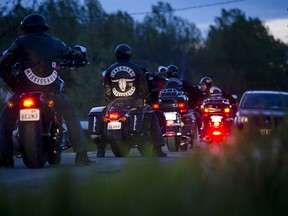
173 143
120 148
32 145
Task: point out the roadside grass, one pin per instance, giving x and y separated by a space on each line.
248 177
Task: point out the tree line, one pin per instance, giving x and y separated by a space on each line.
239 52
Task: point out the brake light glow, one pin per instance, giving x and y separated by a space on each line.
29 102
216 124
113 116
156 106
181 105
206 110
170 133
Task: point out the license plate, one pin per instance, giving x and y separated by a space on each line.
170 115
265 131
114 126
216 118
29 115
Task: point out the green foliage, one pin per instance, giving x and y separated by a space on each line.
239 53
247 177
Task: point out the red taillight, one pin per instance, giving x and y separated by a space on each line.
156 106
29 102
113 116
181 105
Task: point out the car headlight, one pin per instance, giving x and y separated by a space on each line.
241 119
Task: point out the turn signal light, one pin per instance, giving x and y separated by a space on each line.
50 103
181 105
28 102
227 110
156 106
10 104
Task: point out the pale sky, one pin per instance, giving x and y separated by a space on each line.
273 13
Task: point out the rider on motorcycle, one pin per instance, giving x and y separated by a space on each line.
208 89
37 53
125 79
193 92
206 85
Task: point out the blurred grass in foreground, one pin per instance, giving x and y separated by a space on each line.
249 178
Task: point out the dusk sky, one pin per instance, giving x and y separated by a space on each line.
273 13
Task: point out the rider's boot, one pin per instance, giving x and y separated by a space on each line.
82 159
157 151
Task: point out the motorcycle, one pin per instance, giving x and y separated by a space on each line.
123 125
40 133
217 119
181 128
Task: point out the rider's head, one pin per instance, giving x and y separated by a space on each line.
34 22
172 71
205 83
162 71
123 52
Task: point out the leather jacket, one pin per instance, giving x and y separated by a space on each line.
125 79
38 54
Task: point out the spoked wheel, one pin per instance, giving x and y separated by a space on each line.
120 148
173 143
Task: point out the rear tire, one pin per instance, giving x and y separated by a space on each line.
173 143
120 148
32 145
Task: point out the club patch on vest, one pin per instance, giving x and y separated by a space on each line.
40 80
125 85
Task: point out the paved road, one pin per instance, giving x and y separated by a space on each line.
34 179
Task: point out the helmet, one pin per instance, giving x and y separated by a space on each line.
34 20
172 71
206 80
123 52
162 71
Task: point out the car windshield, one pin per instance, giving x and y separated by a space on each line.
265 101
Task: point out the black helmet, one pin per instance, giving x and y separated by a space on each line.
123 52
172 71
34 20
206 80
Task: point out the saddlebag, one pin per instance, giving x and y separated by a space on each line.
95 125
140 120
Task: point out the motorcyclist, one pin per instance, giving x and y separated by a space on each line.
37 53
206 85
208 89
125 79
193 92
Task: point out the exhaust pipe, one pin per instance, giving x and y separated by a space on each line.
184 139
207 139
